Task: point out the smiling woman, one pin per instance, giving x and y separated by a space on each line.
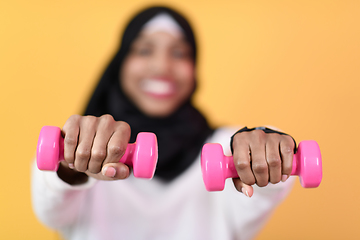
158 73
148 86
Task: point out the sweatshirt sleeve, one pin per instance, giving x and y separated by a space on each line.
56 203
252 215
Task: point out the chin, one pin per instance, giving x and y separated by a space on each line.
159 112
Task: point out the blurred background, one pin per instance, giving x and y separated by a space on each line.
291 64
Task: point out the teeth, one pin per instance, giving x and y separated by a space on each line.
156 86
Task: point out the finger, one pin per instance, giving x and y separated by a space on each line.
88 127
99 148
242 187
273 157
287 146
115 171
70 131
258 158
118 143
241 158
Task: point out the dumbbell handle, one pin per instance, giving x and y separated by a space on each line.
141 155
232 173
126 158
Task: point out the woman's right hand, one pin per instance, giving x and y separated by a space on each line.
94 146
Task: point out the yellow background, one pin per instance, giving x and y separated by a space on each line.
291 64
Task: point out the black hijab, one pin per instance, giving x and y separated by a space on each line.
180 135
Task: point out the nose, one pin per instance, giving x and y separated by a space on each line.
160 63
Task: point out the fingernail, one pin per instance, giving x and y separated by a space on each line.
108 171
284 178
71 166
244 191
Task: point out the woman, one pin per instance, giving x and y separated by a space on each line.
148 87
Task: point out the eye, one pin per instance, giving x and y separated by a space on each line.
144 51
180 53
139 48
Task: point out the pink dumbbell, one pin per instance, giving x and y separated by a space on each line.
216 167
141 155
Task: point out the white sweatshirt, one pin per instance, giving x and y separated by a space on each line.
152 210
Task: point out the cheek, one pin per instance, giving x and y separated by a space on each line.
186 72
131 73
186 76
132 68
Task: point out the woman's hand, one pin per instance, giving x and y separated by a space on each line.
261 158
94 146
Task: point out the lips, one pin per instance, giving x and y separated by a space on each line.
158 87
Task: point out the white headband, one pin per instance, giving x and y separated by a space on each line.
163 22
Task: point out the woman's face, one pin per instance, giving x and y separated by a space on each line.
158 73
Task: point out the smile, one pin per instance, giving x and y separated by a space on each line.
158 87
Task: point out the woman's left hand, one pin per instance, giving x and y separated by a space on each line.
261 158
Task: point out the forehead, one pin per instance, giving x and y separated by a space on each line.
163 22
160 38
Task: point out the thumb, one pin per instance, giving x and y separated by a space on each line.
115 171
248 190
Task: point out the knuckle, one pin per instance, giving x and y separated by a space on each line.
107 118
98 155
116 151
89 121
260 167
74 117
71 123
274 161
288 138
242 165
287 150
258 133
239 140
90 118
239 137
274 136
258 136
83 154
68 140
123 126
